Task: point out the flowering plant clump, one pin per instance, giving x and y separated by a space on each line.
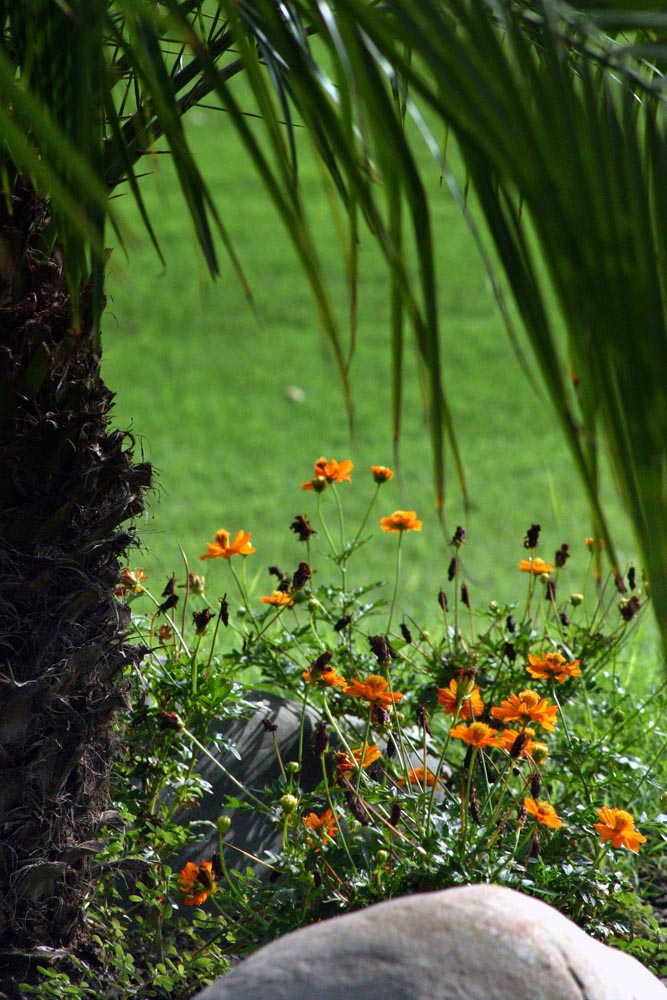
498 744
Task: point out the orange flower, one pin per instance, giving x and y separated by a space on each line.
381 474
416 777
221 548
552 665
477 734
197 882
618 826
543 812
323 826
325 675
531 749
535 566
374 690
471 704
130 580
361 757
327 472
527 706
279 598
401 520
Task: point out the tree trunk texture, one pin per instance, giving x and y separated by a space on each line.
68 488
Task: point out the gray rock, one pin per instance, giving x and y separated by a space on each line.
477 942
255 767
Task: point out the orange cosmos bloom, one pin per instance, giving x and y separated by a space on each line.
618 826
401 520
329 471
477 734
361 757
471 705
222 549
416 777
535 566
527 706
279 598
197 882
543 812
374 690
323 826
552 665
130 580
325 675
381 474
533 749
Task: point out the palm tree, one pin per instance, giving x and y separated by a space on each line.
559 116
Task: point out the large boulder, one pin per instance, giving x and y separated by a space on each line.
477 942
255 765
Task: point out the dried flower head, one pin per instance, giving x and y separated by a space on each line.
302 527
532 536
201 620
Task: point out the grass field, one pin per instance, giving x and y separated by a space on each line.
233 406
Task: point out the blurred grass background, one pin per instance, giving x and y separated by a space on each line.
233 405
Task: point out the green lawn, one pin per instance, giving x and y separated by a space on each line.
208 388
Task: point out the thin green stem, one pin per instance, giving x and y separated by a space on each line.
396 580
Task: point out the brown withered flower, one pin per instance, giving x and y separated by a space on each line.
562 555
224 611
382 648
201 620
302 528
532 536
301 576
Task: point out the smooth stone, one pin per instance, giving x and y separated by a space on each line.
250 836
255 767
477 942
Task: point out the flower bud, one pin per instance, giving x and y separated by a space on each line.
292 767
576 600
288 803
223 824
382 857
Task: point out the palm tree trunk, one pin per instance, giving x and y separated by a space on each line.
68 487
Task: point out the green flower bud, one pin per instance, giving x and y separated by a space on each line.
576 600
289 803
223 824
292 766
382 857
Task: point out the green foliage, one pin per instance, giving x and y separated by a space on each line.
442 798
